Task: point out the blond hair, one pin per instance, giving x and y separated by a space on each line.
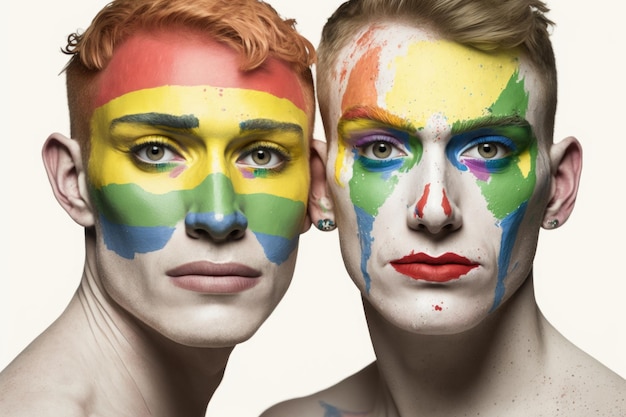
483 24
251 27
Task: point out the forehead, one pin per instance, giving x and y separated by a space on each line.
416 75
163 57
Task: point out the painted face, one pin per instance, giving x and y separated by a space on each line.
200 175
438 176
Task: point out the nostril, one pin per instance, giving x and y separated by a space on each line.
236 234
217 226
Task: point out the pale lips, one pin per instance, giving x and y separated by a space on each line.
211 278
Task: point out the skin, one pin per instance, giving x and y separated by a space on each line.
442 174
177 161
402 149
193 197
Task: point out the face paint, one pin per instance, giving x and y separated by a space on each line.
182 61
199 175
141 203
466 100
360 131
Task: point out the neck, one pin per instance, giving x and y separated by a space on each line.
451 374
145 372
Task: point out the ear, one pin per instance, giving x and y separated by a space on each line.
566 166
63 163
320 203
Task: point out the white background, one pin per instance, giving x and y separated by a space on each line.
317 335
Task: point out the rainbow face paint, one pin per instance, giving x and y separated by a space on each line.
199 174
433 136
205 141
205 168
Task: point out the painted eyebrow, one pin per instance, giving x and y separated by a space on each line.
268 125
182 122
488 121
376 114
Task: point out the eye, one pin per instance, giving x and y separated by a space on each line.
263 157
380 150
488 149
155 153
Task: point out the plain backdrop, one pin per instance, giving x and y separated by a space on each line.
317 335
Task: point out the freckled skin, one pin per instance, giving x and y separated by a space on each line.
410 106
441 183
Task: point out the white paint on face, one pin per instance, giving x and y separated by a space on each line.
418 92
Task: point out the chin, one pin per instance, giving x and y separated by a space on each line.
446 316
433 325
214 338
221 331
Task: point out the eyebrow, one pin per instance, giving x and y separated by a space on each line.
376 114
182 122
268 125
488 121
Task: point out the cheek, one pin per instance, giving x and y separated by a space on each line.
507 191
129 204
274 205
366 190
134 221
276 222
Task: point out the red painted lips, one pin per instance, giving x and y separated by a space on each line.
444 268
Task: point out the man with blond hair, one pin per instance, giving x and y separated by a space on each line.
441 163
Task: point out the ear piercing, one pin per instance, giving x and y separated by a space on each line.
553 224
326 225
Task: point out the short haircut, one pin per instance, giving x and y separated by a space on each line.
482 24
251 27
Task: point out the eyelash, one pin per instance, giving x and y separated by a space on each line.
273 149
502 143
364 145
144 146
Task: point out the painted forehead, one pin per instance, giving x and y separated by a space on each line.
416 75
155 59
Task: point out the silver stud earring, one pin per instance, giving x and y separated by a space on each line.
326 225
553 224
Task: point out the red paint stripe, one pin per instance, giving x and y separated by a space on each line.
445 204
419 208
149 60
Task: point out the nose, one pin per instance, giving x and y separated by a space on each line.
433 211
215 212
219 227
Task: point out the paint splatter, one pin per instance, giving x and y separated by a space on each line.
332 411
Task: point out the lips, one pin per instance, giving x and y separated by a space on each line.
444 268
211 278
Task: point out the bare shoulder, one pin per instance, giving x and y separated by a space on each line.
40 382
27 394
353 396
28 402
579 385
594 388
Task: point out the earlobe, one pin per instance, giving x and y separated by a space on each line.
320 211
63 163
566 168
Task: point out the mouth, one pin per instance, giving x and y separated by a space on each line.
444 268
210 278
